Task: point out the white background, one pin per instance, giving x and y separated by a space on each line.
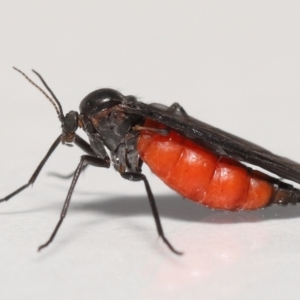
233 64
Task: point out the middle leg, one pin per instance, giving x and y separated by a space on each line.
85 159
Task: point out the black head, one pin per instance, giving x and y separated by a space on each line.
69 126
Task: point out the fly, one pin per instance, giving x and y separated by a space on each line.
200 162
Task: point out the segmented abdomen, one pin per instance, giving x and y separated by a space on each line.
204 177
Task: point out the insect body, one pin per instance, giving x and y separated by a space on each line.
200 162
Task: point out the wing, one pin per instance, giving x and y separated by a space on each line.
219 141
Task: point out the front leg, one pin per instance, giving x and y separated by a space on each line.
36 172
83 145
134 176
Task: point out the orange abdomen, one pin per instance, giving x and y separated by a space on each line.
200 175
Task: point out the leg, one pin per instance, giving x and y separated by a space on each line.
161 131
36 172
68 176
176 107
132 176
85 159
83 145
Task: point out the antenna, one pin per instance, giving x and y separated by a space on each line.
54 102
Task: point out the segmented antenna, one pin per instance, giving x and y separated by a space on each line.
54 102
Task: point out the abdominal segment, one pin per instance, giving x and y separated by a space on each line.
202 176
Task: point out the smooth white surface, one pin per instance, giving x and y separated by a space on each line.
233 64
